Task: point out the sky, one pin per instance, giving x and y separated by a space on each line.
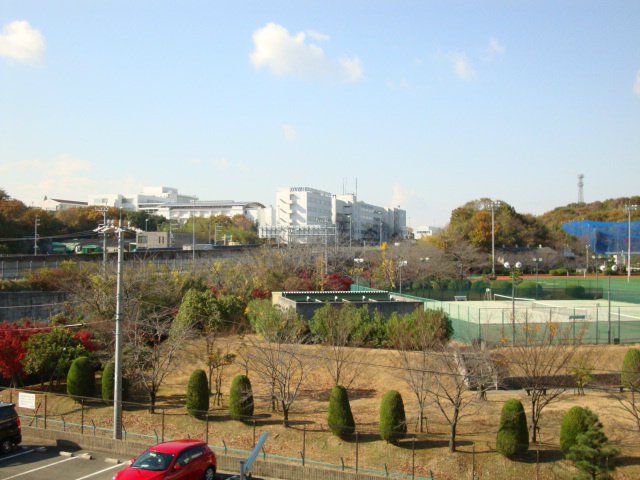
421 104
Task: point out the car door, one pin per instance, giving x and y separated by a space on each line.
183 472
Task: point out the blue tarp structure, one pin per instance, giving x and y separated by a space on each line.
606 237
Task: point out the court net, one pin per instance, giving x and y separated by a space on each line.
530 303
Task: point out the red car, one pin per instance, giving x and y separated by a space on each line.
176 460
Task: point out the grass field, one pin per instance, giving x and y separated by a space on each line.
476 434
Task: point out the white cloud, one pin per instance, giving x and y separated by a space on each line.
462 68
284 55
636 85
19 41
401 84
290 134
62 165
321 37
495 46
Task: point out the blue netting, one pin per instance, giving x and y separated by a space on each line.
606 237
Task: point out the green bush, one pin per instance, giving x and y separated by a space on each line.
393 422
576 291
558 272
573 424
108 375
197 393
630 375
529 289
513 437
341 421
240 398
81 379
480 286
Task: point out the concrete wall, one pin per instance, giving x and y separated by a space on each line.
226 463
17 305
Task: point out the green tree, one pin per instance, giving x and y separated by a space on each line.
573 423
241 398
591 452
393 422
81 379
341 421
197 393
630 377
49 354
513 437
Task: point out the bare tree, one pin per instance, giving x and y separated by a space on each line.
279 360
152 351
217 360
542 357
629 402
453 388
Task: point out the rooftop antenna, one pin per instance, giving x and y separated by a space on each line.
580 185
356 187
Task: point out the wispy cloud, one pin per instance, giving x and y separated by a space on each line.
19 41
220 164
462 67
321 37
290 134
636 84
285 54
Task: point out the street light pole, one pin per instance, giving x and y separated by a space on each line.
629 209
401 263
493 206
358 261
613 269
193 239
117 394
35 235
537 260
424 260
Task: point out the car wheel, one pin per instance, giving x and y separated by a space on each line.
6 446
209 474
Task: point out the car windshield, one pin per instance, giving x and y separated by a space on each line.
155 461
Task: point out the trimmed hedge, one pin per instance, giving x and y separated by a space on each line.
81 379
630 375
393 421
197 393
341 421
107 383
513 436
559 272
241 398
573 424
576 291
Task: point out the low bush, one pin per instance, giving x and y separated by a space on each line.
108 383
575 291
630 375
573 424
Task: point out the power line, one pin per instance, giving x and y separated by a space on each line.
84 233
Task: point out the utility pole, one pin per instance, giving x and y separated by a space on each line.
117 392
493 206
104 239
35 235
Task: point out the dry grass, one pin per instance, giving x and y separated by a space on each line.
309 417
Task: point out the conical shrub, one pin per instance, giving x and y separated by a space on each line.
197 393
573 424
107 383
513 437
341 421
630 376
393 421
241 398
81 379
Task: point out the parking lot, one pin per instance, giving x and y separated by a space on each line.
38 462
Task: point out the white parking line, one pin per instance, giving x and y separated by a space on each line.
16 455
103 470
40 468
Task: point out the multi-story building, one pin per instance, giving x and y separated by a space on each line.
181 212
56 204
303 213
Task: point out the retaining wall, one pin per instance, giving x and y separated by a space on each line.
31 304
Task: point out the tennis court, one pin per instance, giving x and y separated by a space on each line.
502 319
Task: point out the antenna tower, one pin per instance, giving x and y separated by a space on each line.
580 185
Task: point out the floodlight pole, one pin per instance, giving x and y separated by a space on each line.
35 235
117 393
513 297
629 208
401 263
104 239
493 236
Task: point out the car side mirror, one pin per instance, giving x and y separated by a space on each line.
134 459
177 466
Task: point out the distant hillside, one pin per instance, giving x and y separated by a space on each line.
611 210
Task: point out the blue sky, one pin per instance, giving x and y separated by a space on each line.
428 104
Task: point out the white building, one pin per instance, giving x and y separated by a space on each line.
426 231
182 212
149 200
56 204
307 212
